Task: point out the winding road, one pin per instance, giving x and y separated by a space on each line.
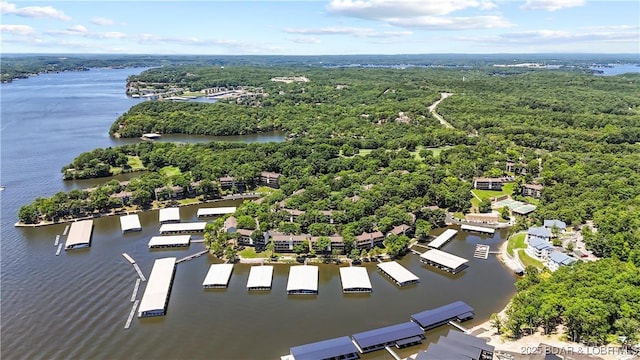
432 110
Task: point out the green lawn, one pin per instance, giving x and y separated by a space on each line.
516 242
265 190
528 260
436 151
170 171
507 189
135 163
188 201
250 253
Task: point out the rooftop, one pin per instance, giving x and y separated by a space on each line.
158 286
130 222
540 231
443 258
387 334
327 349
561 258
398 272
218 275
557 223
216 211
169 214
537 243
170 240
428 318
190 226
260 277
442 238
354 278
79 234
303 279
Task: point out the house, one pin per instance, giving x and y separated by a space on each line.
400 230
245 239
230 224
557 259
337 243
287 243
560 225
369 240
123 196
172 192
270 179
226 182
538 248
488 183
533 190
540 232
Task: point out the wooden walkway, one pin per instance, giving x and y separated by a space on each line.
193 256
57 240
393 353
59 248
66 230
135 290
129 258
459 327
135 266
198 241
131 314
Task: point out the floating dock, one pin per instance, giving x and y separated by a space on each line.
183 228
59 249
303 279
355 279
156 295
481 229
396 272
66 230
399 335
192 256
131 314
55 243
79 235
169 215
130 223
169 241
338 348
129 258
135 290
433 318
218 276
444 261
442 238
481 252
260 277
207 212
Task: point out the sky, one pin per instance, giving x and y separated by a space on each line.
328 27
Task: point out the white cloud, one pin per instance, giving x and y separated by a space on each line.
81 31
33 11
305 40
17 29
77 29
600 35
344 30
430 14
551 5
102 21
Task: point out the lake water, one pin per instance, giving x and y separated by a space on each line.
74 306
616 69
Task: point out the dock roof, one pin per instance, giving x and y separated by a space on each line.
428 318
216 211
190 226
354 278
303 279
169 214
170 240
260 277
130 222
218 275
478 228
157 291
387 334
443 258
79 234
442 238
327 349
398 272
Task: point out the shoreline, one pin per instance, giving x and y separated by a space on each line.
97 216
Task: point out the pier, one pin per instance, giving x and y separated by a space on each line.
131 314
57 240
59 249
66 230
193 256
135 266
135 290
459 327
129 258
481 252
393 353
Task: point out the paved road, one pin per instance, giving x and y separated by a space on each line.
432 110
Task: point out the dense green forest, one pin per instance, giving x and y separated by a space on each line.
363 144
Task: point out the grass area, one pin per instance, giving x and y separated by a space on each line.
188 201
250 253
475 202
528 260
436 151
265 190
458 215
507 189
516 242
135 163
170 171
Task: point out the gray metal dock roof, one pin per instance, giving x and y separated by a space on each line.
218 275
79 234
156 293
442 238
327 349
381 336
303 279
455 310
355 279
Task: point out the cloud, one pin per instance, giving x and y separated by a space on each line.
305 40
17 29
77 29
429 14
602 34
102 21
344 30
81 31
33 11
551 5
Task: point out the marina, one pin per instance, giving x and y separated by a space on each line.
79 235
130 223
397 273
260 277
480 229
444 261
303 280
156 295
217 211
182 228
442 238
355 279
429 319
169 241
399 335
169 215
218 276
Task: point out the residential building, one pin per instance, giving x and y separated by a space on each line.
538 248
558 259
533 190
369 240
287 243
540 232
270 179
230 224
488 183
560 225
399 230
337 243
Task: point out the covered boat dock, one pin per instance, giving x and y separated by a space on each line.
355 279
169 215
303 279
183 228
399 335
442 238
130 223
217 211
433 318
218 276
338 348
260 277
79 235
398 273
478 229
444 261
170 241
156 295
